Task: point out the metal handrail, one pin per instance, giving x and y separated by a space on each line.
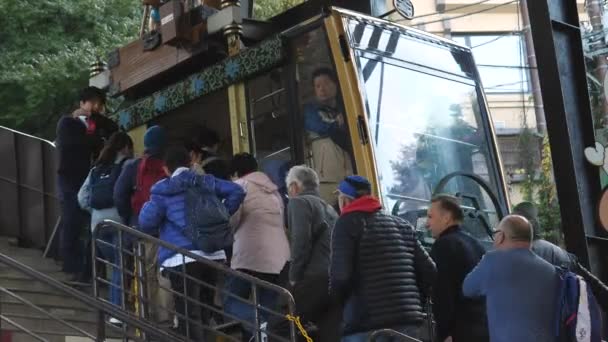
391 333
94 303
23 329
134 234
46 313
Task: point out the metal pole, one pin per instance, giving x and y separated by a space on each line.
143 288
122 281
185 297
256 314
237 100
291 306
555 29
539 109
101 317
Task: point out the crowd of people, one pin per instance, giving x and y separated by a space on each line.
352 269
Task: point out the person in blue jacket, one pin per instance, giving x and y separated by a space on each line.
165 213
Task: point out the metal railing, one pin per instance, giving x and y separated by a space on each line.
134 323
395 335
123 254
29 209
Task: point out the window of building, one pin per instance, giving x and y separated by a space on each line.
500 59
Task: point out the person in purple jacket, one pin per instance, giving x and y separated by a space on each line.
165 213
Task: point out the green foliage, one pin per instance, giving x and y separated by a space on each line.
264 9
527 162
548 205
46 47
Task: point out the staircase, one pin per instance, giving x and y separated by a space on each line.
15 284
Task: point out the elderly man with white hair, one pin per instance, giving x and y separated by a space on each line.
310 223
520 288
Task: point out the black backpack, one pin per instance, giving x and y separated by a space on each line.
207 218
101 184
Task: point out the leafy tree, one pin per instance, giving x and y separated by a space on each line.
46 48
548 204
264 9
528 145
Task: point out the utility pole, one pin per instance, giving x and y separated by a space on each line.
595 10
539 108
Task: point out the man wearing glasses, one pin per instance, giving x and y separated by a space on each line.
519 286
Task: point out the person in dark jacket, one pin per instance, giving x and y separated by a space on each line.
456 253
165 213
80 137
310 222
379 271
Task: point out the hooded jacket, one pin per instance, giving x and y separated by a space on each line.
379 270
260 239
166 210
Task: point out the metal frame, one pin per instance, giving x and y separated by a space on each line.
123 233
561 68
488 127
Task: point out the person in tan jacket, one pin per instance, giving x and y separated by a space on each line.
260 247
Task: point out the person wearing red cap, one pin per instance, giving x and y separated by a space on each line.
379 271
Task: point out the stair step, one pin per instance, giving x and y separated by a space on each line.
15 310
18 336
43 326
49 327
27 285
45 300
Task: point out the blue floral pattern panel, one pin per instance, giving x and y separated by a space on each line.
241 67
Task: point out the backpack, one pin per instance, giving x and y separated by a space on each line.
579 316
101 183
149 172
207 218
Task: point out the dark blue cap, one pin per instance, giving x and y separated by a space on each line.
352 185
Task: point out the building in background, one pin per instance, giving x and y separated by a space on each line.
497 32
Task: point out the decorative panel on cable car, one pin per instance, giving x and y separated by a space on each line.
231 70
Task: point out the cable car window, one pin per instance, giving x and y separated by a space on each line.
423 128
269 122
327 143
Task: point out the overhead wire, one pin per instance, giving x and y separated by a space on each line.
462 15
448 10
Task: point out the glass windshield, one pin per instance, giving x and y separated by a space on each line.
423 128
428 129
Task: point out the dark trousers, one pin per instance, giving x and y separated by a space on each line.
313 304
191 315
243 310
71 247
